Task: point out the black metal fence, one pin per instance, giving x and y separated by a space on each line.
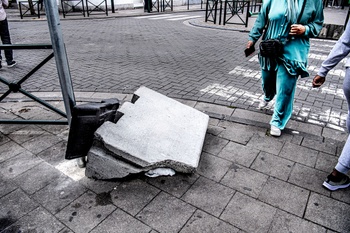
224 11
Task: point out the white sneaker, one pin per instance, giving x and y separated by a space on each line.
263 103
275 131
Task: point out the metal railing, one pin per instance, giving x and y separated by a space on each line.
235 8
16 87
227 10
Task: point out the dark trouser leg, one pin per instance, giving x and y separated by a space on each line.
268 84
5 38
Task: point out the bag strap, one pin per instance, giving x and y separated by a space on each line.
301 11
298 20
268 21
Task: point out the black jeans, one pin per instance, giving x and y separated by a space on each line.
5 38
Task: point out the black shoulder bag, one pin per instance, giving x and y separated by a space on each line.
273 48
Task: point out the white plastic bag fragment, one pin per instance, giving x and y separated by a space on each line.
160 172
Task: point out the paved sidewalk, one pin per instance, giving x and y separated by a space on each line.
247 181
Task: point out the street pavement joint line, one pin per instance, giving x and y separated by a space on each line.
154 16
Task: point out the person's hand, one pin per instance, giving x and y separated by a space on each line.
318 81
249 44
297 30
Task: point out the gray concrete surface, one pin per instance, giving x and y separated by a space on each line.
154 131
247 181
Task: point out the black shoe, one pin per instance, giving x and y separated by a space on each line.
334 183
11 64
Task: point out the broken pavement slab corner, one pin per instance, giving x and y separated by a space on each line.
153 131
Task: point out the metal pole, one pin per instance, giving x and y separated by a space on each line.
59 50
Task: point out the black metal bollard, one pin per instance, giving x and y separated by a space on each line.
147 6
86 118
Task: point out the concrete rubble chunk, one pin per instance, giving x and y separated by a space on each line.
153 131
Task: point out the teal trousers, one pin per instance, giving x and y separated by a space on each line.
278 82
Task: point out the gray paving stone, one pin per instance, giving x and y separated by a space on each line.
238 153
120 221
214 144
213 167
9 128
37 177
18 164
175 185
190 103
59 194
3 139
41 143
252 216
272 165
296 139
133 196
208 196
326 162
154 231
326 147
55 154
245 180
266 143
329 213
309 178
214 130
330 231
206 107
24 134
299 154
39 220
304 127
285 196
205 223
238 133
334 134
86 212
56 129
164 208
213 121
6 187
27 110
254 116
287 223
99 186
9 150
341 195
13 206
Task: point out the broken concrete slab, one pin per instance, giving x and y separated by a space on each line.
153 131
102 165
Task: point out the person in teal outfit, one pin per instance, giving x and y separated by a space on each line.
293 22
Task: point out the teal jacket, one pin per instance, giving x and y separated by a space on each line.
296 48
